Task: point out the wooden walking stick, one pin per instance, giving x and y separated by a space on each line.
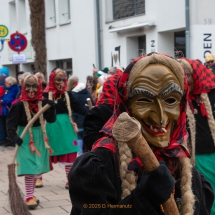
89 103
128 130
17 204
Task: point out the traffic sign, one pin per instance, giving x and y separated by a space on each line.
18 42
3 31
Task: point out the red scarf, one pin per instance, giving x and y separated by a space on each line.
52 87
204 82
109 90
33 102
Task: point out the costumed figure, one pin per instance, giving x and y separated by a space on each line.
201 113
102 111
63 133
108 180
34 150
11 90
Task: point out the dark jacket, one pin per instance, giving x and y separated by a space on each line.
81 97
8 97
94 185
61 104
204 140
93 123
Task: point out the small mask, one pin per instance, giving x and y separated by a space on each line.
31 86
154 100
59 80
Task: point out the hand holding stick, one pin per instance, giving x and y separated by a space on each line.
89 103
127 129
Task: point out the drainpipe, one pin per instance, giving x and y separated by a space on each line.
98 34
187 32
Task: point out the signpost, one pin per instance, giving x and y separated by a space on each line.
3 33
18 42
19 58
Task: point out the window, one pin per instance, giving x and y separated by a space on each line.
50 13
180 43
64 11
66 65
127 8
22 16
12 15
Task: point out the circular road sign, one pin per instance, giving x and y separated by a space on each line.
3 31
18 42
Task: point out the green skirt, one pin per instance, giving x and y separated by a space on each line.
62 137
28 163
205 165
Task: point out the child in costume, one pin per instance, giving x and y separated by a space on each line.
153 89
63 133
34 150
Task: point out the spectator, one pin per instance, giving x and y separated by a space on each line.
81 94
209 62
72 82
4 73
41 77
91 87
11 90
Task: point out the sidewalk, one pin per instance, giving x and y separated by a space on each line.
54 198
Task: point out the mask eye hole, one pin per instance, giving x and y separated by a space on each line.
170 101
144 100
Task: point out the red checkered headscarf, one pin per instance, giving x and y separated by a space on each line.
179 135
109 90
51 85
203 82
33 102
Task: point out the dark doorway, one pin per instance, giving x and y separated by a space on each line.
142 45
180 43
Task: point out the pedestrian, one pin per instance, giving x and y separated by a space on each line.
100 114
81 94
201 118
11 89
41 77
154 91
63 132
210 62
91 86
34 149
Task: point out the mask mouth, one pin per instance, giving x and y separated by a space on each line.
156 130
31 94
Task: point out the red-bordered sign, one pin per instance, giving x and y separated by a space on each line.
18 42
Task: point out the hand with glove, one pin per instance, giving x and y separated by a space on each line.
18 141
158 184
51 103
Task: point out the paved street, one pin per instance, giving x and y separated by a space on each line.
54 198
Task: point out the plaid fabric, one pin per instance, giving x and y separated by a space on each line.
204 79
51 85
33 102
175 149
204 82
109 90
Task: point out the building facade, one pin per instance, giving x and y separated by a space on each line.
80 33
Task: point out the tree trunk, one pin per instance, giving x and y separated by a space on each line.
38 33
